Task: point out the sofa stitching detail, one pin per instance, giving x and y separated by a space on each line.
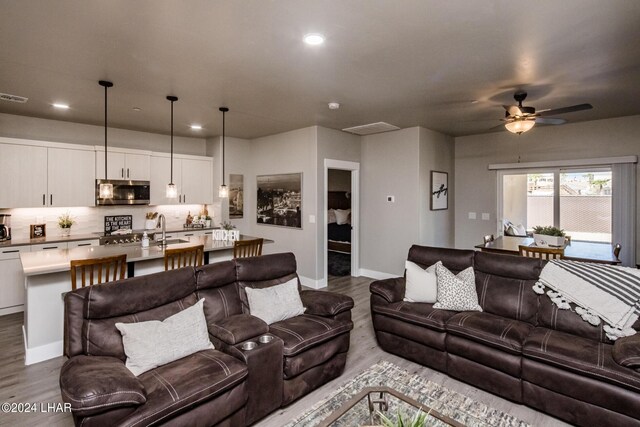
89 302
628 359
545 340
505 345
180 304
222 364
88 329
327 327
506 330
484 290
84 408
338 308
554 316
224 302
314 339
162 382
520 300
408 316
186 397
289 331
561 360
97 396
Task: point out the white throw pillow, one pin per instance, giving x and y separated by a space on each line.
421 284
456 293
155 343
276 303
331 216
342 216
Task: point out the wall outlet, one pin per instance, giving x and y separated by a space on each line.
472 215
391 199
312 219
485 216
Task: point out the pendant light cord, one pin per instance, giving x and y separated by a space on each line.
171 180
105 132
223 131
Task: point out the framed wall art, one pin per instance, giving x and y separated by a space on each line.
439 190
37 230
279 200
236 196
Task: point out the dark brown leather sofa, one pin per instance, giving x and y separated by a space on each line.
520 346
227 386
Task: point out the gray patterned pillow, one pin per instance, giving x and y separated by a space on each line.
456 293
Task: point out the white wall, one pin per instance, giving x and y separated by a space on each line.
476 186
24 127
436 154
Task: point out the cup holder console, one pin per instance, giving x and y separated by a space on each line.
265 339
249 345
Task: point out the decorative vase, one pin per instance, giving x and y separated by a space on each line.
207 223
65 232
150 224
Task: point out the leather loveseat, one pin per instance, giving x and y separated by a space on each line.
225 386
520 347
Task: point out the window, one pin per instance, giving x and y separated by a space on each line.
576 200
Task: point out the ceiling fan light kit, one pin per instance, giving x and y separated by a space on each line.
520 125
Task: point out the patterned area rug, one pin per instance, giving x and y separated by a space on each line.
441 399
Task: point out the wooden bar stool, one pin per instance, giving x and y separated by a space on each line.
247 248
541 253
183 257
97 270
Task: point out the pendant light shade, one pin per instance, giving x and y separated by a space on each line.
106 188
223 191
172 191
520 125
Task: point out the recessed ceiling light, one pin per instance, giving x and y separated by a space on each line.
334 105
137 109
61 106
314 39
196 127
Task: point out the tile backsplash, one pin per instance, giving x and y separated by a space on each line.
91 219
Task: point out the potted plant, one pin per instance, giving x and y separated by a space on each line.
548 236
65 222
419 419
207 221
150 221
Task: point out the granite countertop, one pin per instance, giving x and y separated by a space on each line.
53 261
86 236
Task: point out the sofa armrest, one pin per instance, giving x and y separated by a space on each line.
626 351
323 303
391 290
237 328
96 384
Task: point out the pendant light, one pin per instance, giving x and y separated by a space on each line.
106 189
172 191
223 192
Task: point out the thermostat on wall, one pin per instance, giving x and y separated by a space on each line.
391 199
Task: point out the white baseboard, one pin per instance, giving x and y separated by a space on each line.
378 275
312 283
40 353
11 310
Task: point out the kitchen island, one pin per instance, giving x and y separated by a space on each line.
47 279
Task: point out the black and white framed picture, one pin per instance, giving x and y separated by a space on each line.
439 190
279 200
236 196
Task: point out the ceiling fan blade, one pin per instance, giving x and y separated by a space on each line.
564 110
550 121
513 110
497 127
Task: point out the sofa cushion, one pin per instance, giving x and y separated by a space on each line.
486 328
583 356
626 351
302 332
154 343
422 314
303 361
179 385
456 292
551 317
275 303
237 328
421 284
455 260
95 384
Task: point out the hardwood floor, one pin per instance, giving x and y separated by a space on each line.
39 383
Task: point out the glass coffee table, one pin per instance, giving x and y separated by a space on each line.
362 409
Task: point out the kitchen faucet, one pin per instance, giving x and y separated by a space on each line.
162 222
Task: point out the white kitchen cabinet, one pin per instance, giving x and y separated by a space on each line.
49 246
12 284
123 165
46 175
23 170
192 175
71 177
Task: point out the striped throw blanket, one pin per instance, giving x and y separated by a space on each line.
609 292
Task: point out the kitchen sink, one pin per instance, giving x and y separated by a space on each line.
174 241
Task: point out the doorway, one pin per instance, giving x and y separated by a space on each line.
341 218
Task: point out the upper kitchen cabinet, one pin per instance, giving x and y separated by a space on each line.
192 175
126 164
46 174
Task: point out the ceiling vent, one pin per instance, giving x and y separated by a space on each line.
13 98
371 128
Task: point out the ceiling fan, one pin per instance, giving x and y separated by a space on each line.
519 118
